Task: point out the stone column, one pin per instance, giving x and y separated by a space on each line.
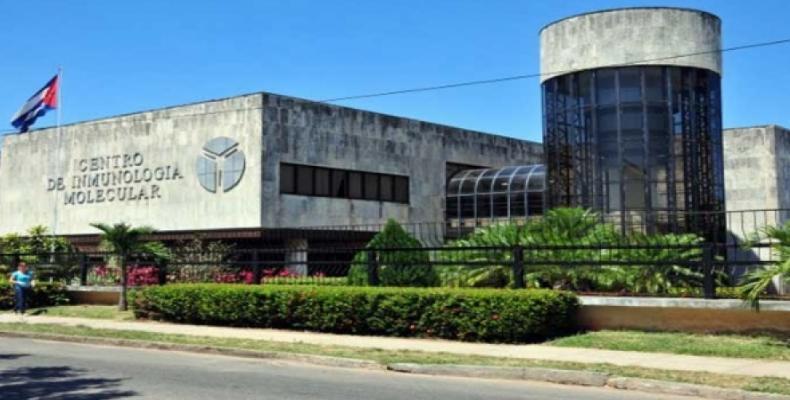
296 256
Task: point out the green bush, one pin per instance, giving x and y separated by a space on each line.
396 267
488 315
566 240
43 295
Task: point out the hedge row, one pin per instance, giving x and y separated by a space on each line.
42 295
464 314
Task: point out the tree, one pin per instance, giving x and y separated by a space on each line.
396 267
756 283
123 241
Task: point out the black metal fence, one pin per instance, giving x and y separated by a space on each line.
624 263
684 269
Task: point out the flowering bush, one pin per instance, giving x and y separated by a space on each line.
244 275
142 275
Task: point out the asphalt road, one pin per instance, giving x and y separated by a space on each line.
33 369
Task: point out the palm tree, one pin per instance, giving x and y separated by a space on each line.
125 240
757 282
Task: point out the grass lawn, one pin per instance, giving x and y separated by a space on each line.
772 385
762 347
86 311
738 346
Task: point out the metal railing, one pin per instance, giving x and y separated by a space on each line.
697 268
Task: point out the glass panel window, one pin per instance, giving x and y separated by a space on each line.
387 183
322 182
604 88
287 184
655 86
355 185
304 180
402 189
371 186
630 85
339 183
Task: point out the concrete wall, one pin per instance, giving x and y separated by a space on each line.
757 176
304 132
124 148
615 37
682 315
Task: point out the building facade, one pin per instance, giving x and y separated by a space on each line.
244 166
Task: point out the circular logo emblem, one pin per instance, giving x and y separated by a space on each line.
221 165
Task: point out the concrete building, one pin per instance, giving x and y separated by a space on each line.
245 167
630 129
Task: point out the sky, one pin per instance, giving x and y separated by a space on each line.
126 56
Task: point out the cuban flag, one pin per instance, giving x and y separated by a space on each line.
37 105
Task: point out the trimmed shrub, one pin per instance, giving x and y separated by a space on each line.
487 315
396 267
42 295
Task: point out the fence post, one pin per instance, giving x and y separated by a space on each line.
84 270
162 272
518 267
257 273
373 269
708 280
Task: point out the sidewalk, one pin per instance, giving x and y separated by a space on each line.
735 366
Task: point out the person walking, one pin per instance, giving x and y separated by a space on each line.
22 280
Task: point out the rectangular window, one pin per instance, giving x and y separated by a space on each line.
402 189
304 180
371 186
329 182
355 185
287 181
386 183
322 181
339 183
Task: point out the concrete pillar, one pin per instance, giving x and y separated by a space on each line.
296 256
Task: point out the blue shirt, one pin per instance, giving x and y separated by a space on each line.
22 279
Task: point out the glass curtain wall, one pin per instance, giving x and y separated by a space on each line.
641 144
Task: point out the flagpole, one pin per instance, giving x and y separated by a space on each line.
57 151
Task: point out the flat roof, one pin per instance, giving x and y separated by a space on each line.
607 10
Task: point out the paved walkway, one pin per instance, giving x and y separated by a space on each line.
737 366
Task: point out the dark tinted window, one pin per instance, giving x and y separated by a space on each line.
401 189
371 186
355 185
304 180
322 182
328 182
339 183
386 185
287 179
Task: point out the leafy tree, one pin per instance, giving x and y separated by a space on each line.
755 284
124 241
37 247
396 267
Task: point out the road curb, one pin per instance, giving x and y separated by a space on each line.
568 377
581 378
688 389
270 355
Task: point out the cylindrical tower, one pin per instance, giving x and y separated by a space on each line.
632 116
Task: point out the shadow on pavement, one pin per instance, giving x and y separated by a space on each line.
62 383
12 356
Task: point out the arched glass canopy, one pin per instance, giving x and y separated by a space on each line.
478 196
